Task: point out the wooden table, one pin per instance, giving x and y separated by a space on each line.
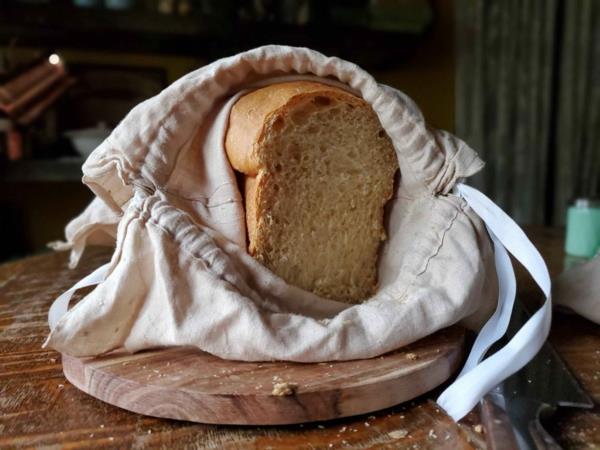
39 408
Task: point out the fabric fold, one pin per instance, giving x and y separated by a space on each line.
174 282
181 274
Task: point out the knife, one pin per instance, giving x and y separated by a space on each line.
513 412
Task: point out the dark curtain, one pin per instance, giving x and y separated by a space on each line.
528 93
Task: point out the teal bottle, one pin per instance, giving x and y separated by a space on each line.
583 228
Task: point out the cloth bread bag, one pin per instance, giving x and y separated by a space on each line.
180 273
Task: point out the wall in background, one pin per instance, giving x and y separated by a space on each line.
426 74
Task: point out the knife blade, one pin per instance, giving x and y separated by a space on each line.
529 396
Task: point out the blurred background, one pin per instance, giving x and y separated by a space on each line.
519 80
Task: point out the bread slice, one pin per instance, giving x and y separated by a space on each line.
319 170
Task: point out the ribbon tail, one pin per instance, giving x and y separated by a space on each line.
479 377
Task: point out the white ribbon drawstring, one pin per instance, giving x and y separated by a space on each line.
496 325
60 306
478 377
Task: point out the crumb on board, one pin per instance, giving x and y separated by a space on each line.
478 428
285 388
398 434
411 356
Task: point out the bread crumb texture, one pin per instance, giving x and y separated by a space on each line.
398 434
283 389
315 206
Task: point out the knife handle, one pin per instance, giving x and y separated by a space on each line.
499 434
542 439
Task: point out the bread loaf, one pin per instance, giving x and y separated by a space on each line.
318 170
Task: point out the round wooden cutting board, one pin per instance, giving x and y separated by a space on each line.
188 384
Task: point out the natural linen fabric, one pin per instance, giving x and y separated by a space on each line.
181 275
578 289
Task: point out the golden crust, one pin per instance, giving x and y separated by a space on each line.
255 113
251 200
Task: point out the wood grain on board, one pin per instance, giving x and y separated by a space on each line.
188 384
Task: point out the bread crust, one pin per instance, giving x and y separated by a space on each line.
251 201
254 114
